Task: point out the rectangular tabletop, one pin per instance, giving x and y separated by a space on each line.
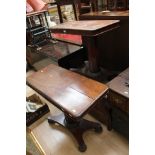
102 15
85 28
70 92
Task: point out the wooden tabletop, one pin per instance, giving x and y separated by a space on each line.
85 27
105 15
70 92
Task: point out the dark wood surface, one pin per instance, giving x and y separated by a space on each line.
119 101
85 6
117 4
115 52
119 91
69 91
89 31
85 28
114 111
103 15
73 94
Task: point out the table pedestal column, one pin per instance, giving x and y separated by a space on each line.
93 56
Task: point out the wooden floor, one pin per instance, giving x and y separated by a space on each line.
55 140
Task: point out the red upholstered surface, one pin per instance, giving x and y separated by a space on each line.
68 37
37 5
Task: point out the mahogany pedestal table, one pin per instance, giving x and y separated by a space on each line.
73 94
90 30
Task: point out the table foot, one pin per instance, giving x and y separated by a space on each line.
76 127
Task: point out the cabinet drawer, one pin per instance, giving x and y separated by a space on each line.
118 101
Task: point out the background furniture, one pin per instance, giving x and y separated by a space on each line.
119 99
91 31
115 111
65 2
73 94
115 52
104 15
40 45
75 39
117 4
55 52
85 6
37 31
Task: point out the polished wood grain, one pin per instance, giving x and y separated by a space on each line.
89 31
69 91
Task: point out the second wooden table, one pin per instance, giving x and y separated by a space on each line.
89 31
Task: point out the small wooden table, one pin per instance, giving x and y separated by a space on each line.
89 31
73 94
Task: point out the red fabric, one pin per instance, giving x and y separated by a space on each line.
28 7
37 5
68 37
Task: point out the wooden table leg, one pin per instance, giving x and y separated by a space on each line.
76 127
93 53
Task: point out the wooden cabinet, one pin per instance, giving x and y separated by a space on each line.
102 112
119 91
118 98
114 111
114 54
120 121
119 101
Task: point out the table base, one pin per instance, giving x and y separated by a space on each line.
76 127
